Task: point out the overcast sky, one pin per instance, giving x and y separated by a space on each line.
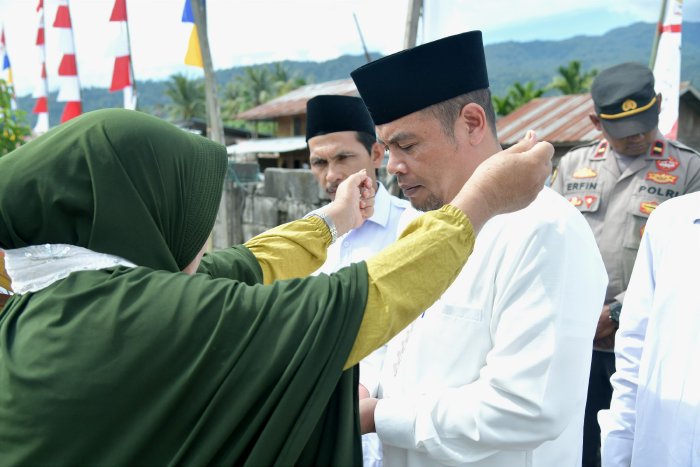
244 32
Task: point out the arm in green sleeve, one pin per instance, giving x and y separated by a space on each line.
411 274
295 249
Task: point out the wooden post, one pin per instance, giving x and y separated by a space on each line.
412 17
224 233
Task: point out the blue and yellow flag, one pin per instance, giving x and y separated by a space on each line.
193 56
6 67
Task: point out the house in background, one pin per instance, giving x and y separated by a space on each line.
288 148
231 135
564 122
561 120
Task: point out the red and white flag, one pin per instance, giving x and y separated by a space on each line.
123 75
68 82
667 65
41 92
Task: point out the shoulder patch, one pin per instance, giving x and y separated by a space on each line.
600 151
657 149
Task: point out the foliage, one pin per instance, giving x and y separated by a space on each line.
517 96
13 128
572 80
255 86
187 98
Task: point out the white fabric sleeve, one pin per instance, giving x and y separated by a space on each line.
617 424
371 370
550 289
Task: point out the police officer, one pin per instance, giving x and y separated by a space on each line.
616 183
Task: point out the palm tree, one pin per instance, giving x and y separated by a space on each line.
187 98
283 81
517 96
572 80
256 86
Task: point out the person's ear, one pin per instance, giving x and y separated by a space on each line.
658 101
472 119
595 121
377 155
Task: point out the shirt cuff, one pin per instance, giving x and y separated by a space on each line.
394 421
616 452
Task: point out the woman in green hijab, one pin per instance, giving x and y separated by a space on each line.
111 355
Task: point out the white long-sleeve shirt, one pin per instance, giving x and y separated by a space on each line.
654 416
495 373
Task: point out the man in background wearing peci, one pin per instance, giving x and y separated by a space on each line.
341 139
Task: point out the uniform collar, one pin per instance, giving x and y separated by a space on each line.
382 206
656 151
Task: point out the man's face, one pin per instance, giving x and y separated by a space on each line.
336 156
631 146
430 166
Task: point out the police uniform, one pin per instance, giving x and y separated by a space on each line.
617 202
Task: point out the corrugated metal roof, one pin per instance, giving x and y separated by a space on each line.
294 102
558 119
269 145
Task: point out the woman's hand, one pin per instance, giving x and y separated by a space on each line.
354 202
507 181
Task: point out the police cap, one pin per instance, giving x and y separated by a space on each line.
625 100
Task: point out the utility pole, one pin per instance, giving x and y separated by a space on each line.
228 228
362 39
412 17
657 35
215 128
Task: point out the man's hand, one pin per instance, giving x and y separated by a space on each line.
605 331
507 181
367 407
354 202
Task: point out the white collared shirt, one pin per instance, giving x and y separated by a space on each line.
378 232
654 417
495 372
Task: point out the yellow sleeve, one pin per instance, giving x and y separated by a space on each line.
295 249
4 278
411 274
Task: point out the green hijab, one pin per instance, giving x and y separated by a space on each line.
142 366
114 181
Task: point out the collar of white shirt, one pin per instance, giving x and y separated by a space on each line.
382 206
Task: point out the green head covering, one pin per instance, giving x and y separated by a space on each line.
114 181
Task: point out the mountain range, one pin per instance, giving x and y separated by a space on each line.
508 63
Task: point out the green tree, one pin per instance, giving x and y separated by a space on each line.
13 127
187 96
283 81
572 80
257 85
517 96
